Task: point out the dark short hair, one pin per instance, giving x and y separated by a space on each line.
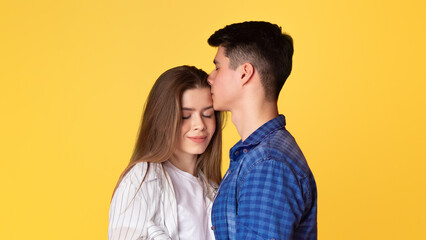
264 46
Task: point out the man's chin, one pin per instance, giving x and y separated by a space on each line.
218 107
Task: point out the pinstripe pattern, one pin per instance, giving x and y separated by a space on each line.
269 191
150 213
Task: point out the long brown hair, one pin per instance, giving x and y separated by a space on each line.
161 122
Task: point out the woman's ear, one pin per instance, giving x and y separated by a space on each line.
247 71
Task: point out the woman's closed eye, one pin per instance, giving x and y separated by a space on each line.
203 115
208 113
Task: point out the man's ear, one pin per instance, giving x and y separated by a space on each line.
246 72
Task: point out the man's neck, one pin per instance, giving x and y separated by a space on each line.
250 117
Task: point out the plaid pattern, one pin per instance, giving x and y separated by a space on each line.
268 191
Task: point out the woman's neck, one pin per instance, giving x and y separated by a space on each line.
185 162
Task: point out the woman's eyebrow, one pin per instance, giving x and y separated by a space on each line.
193 109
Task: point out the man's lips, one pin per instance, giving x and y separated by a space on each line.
198 139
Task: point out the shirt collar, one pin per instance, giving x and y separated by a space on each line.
263 131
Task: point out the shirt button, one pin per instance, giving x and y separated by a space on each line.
245 151
236 153
213 228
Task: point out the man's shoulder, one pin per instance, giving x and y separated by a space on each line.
280 147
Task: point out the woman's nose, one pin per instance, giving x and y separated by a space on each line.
198 123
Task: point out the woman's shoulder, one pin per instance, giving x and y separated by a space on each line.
213 185
143 171
142 178
209 186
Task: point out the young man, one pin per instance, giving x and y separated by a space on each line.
268 191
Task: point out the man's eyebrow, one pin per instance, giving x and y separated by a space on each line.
193 109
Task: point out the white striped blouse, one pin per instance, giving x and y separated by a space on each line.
151 212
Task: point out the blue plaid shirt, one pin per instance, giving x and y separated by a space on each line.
269 191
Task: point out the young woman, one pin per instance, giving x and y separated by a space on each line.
167 190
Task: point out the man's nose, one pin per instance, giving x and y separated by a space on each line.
210 79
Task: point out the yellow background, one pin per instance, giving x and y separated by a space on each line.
75 75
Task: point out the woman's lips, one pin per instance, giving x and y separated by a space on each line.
198 139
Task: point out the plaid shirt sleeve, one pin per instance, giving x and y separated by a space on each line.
272 202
